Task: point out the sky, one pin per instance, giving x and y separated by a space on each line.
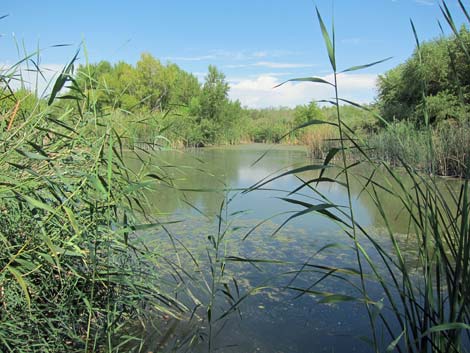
257 44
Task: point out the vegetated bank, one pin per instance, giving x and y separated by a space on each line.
163 105
73 272
173 102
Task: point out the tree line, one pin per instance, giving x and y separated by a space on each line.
152 99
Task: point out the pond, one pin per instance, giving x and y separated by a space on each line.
207 203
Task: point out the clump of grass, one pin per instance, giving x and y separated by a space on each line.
319 140
452 148
73 271
403 141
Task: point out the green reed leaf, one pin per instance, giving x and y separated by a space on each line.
326 38
306 79
360 67
22 283
38 204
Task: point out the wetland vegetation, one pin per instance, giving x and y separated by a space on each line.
115 238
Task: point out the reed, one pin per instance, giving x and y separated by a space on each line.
404 142
425 303
73 270
319 140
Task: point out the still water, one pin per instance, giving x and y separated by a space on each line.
207 202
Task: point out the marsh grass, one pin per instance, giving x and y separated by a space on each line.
73 270
319 140
404 142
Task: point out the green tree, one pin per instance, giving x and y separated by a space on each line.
151 87
213 103
440 70
305 113
214 95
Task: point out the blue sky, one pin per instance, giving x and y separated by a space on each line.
256 43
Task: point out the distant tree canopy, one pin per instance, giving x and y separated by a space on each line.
152 102
149 86
305 113
440 69
200 114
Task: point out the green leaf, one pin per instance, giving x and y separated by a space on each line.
61 123
360 67
315 180
155 176
152 225
449 326
38 204
19 278
97 184
331 154
337 298
315 208
464 10
306 79
415 34
62 79
293 171
31 155
326 38
72 219
391 347
327 297
321 208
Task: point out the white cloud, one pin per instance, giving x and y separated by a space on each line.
237 55
280 65
425 2
191 58
271 65
259 92
236 66
260 54
234 80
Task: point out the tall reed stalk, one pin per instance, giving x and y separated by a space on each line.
425 304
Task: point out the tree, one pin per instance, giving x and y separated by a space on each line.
213 105
214 95
436 77
151 87
305 113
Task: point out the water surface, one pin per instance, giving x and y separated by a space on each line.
208 187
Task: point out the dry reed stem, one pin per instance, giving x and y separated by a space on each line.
13 115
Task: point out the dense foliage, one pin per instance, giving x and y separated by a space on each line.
435 78
428 95
193 114
190 113
72 270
